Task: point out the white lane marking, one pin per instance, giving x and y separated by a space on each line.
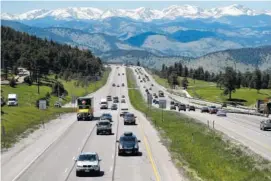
113 155
73 158
66 170
111 169
78 148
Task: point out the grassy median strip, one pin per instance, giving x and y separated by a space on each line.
19 121
200 151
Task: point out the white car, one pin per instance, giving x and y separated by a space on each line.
88 162
221 113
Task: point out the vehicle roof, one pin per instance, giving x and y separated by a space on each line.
106 114
128 133
88 153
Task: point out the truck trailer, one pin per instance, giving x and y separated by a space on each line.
85 108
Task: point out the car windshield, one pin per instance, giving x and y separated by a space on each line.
129 115
106 115
128 138
104 123
87 157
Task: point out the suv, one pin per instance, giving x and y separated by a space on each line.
182 107
128 143
265 124
109 98
123 101
129 118
191 108
106 116
88 162
122 84
212 110
104 126
114 107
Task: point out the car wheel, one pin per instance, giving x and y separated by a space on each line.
119 153
264 128
110 132
78 119
97 133
77 173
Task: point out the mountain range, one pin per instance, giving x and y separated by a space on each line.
142 13
154 37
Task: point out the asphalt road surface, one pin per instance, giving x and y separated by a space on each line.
243 128
57 163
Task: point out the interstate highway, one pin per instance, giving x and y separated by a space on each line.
243 128
57 163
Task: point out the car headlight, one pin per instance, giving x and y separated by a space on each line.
96 167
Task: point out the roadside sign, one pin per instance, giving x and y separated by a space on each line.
42 104
162 103
149 97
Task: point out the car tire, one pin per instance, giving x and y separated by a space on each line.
97 132
110 132
77 173
119 153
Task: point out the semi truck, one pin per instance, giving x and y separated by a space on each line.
12 100
85 108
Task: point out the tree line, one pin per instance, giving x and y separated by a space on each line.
42 56
229 79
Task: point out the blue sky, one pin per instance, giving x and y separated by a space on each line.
11 6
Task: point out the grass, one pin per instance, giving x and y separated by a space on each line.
18 121
205 154
208 91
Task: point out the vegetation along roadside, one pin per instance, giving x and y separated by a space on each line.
201 152
56 72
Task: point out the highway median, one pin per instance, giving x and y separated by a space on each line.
198 151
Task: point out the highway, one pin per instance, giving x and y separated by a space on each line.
57 162
240 127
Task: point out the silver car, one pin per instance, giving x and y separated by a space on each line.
104 126
221 113
88 162
265 124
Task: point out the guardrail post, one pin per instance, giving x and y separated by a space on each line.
213 124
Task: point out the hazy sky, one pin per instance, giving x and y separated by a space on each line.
14 7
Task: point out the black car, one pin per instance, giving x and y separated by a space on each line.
176 104
122 84
128 144
109 98
113 85
191 108
182 107
172 103
114 107
204 109
118 85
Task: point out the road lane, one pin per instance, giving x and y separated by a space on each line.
243 128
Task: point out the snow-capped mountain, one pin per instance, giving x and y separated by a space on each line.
144 14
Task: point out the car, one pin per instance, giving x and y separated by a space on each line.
115 101
146 90
129 118
122 101
191 108
123 113
141 81
155 101
88 162
116 98
113 85
182 107
122 84
104 126
122 73
172 107
144 87
176 104
265 124
118 74
58 104
172 103
114 107
123 96
109 98
128 144
118 85
212 110
150 88
151 84
106 116
204 109
221 113
156 96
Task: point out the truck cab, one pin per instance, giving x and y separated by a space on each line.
104 104
85 108
12 100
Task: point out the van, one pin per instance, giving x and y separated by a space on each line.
104 104
12 100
